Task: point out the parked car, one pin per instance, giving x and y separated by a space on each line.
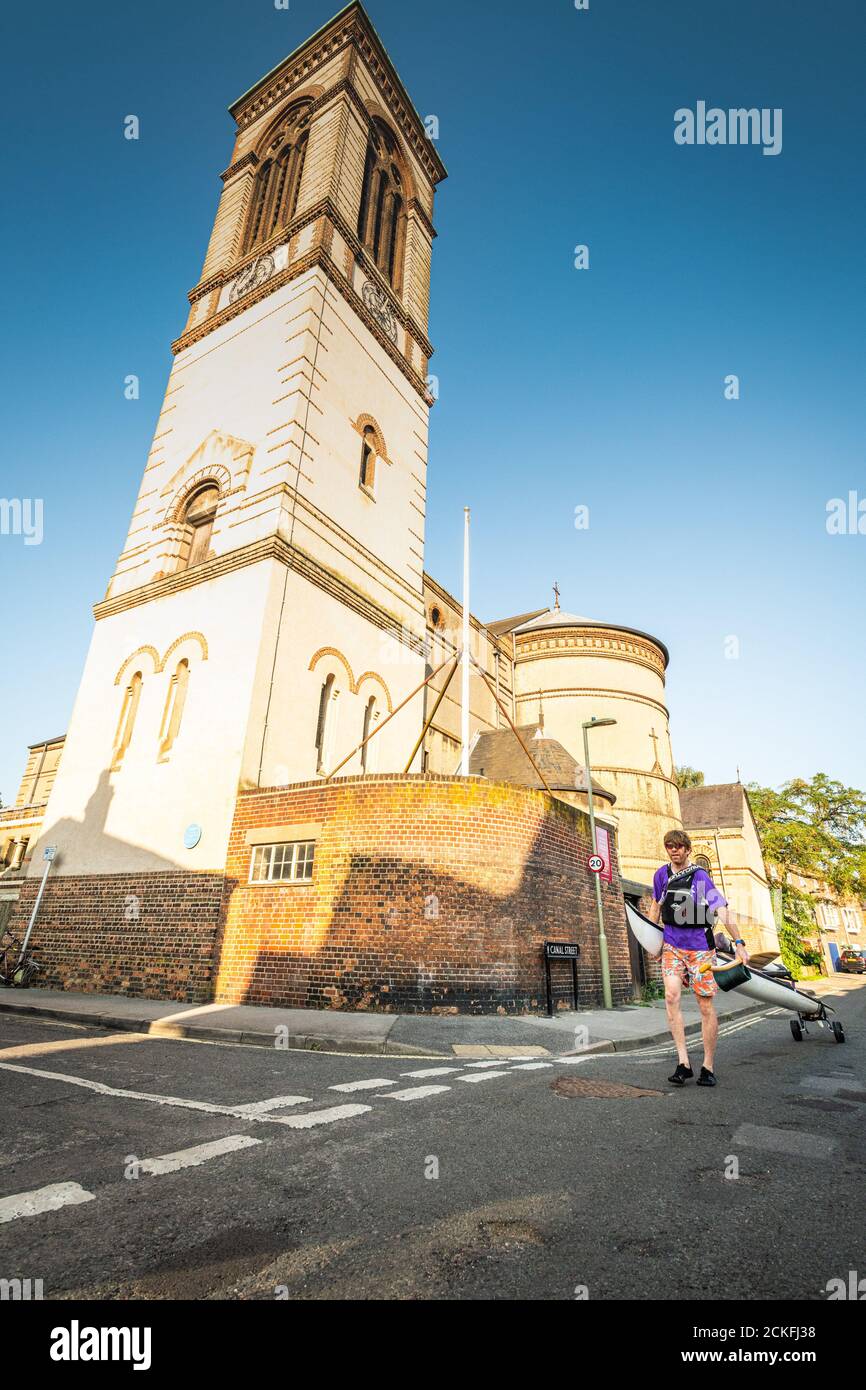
851 962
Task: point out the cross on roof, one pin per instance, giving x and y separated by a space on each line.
556 595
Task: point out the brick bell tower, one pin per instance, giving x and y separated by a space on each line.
266 610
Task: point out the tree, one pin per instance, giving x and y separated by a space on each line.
815 829
688 777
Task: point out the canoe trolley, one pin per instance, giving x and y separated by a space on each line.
818 1011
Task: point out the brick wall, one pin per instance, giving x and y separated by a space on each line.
139 934
428 894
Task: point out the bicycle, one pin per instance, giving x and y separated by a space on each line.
16 970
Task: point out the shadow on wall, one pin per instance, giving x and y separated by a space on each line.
395 935
150 932
87 841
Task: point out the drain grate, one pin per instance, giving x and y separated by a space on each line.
581 1088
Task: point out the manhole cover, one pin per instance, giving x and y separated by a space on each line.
581 1088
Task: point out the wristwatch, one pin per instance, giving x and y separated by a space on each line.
738 941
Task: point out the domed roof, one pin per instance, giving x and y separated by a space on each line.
558 617
555 617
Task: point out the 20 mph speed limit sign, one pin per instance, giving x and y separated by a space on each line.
595 864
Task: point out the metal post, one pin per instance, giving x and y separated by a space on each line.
602 938
464 720
32 922
439 698
539 774
387 719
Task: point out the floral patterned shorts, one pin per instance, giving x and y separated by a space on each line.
686 965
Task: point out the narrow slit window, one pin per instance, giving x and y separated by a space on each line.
126 723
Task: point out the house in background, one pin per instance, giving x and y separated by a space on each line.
21 824
839 921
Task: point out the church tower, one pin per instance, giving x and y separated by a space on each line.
266 611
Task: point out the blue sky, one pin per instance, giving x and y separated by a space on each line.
558 387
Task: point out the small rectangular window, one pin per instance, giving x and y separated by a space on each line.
289 863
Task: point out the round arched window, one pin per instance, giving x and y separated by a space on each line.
198 516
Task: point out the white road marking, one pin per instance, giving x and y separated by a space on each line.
666 1049
237 1113
199 1153
364 1085
531 1066
261 1107
415 1092
482 1076
430 1071
490 1062
58 1194
324 1117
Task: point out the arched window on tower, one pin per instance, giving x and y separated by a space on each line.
278 181
326 723
381 218
173 712
198 519
369 750
126 722
367 477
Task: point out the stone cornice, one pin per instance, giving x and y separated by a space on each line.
324 208
609 643
570 692
351 27
272 548
318 256
443 594
250 158
635 772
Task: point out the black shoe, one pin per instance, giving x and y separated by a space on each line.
682 1075
707 1078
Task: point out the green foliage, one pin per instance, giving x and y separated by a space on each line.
688 777
651 992
815 829
797 922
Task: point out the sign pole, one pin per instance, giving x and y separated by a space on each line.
602 938
48 855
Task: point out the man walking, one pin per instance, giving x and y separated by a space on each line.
689 904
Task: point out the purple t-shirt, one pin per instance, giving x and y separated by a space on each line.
689 938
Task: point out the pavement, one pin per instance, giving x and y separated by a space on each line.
399 1035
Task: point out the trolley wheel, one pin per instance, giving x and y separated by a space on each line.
838 1032
797 1030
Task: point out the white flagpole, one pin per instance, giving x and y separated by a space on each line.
464 724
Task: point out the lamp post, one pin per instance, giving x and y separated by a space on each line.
602 939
